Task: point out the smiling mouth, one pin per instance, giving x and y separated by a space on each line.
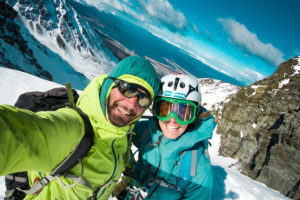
123 111
172 127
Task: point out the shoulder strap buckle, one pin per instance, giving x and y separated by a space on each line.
44 181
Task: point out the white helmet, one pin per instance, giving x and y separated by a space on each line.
180 86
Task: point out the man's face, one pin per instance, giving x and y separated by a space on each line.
122 110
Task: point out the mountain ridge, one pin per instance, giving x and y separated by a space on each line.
57 25
11 35
52 30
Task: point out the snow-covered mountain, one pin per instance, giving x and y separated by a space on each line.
51 40
229 182
47 38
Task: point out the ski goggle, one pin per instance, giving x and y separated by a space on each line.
183 111
131 90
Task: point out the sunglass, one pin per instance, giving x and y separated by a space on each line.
131 90
183 111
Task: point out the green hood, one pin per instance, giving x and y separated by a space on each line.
132 69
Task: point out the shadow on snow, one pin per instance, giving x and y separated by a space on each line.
219 188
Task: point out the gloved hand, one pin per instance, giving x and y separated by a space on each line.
120 187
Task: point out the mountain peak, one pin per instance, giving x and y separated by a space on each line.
286 70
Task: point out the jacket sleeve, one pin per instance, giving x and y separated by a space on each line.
36 141
201 186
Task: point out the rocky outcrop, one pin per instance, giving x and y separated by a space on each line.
12 42
260 126
48 15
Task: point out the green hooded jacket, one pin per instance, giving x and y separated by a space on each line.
38 142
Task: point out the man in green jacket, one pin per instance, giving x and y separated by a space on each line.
38 142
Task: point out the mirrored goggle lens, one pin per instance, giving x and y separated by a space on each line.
184 111
144 101
129 90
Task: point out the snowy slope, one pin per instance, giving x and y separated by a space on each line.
229 182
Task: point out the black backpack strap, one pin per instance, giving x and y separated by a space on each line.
13 181
80 151
71 160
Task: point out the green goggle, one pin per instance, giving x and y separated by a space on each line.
183 111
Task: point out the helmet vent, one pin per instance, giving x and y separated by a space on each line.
176 83
182 85
191 89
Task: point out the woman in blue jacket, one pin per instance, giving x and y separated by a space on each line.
172 163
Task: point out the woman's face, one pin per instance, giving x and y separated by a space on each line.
171 129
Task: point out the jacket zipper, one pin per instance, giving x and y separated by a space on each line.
115 165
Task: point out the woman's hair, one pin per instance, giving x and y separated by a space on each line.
199 118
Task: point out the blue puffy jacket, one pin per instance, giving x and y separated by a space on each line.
161 156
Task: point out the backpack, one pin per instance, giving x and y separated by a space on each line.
17 184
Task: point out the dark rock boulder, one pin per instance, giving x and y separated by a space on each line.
260 126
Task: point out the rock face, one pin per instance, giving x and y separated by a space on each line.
49 15
11 37
260 126
56 27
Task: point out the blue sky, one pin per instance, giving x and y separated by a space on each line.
244 39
